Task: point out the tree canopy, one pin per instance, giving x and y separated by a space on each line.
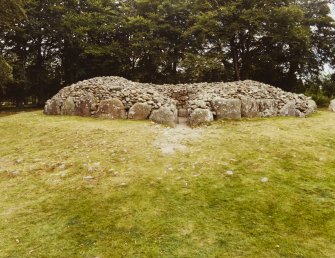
285 43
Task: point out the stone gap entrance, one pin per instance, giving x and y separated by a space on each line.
181 96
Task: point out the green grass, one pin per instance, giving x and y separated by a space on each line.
144 204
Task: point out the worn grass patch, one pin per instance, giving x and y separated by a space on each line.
80 187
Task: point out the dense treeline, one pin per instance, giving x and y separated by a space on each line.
46 44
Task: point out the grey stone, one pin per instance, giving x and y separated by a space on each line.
250 107
165 115
264 179
68 107
140 111
88 177
200 116
230 173
112 109
289 109
227 108
52 107
85 105
268 107
312 107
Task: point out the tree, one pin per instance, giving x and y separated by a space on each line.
279 42
11 11
284 43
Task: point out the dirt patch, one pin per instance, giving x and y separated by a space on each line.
170 140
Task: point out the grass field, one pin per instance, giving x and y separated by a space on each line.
81 187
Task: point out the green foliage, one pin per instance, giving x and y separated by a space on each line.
6 73
322 90
284 43
11 11
321 99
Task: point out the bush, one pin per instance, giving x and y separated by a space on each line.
321 100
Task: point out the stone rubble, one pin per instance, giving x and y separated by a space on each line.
119 98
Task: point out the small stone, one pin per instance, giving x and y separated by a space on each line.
15 173
230 173
19 161
88 177
62 167
264 179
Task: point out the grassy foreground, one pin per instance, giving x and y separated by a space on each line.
81 187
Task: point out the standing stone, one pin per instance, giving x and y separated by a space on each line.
52 107
68 107
112 109
332 106
311 107
250 107
140 111
165 115
288 109
200 116
227 108
268 107
85 105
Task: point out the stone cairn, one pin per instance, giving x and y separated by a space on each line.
118 98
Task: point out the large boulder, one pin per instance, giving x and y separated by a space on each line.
112 109
68 107
268 107
227 108
140 111
288 109
311 107
332 106
250 107
85 105
167 115
200 116
53 107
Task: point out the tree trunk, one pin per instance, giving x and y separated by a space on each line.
234 53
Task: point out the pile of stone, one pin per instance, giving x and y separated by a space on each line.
118 98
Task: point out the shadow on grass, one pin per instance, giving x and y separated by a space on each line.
9 111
